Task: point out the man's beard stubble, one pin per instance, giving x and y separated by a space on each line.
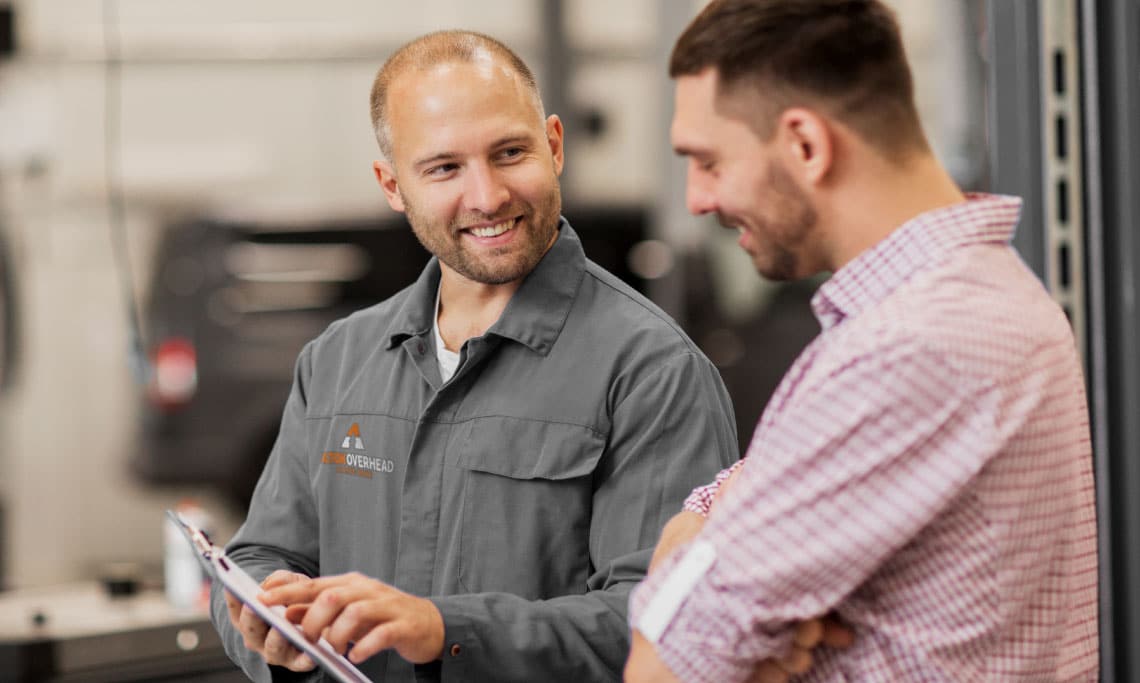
540 224
782 232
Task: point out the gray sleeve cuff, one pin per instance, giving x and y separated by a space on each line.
459 639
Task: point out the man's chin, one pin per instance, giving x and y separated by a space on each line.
776 272
491 275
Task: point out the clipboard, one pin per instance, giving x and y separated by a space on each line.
245 588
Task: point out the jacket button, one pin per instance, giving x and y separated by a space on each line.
456 649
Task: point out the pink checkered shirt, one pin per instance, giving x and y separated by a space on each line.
924 470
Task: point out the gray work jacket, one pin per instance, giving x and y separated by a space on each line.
524 496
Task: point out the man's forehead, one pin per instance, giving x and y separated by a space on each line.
708 121
455 87
483 68
707 93
701 86
693 111
456 105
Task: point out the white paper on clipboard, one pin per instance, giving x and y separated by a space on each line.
245 588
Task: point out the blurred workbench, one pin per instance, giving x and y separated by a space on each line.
81 633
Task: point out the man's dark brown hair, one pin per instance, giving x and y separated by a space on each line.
843 57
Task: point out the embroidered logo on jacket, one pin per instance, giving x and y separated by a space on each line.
354 460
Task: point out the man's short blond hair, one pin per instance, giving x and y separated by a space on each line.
429 50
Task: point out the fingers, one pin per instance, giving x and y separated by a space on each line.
280 652
374 617
808 633
304 589
285 588
768 671
351 623
277 578
806 637
259 637
301 662
273 647
282 577
291 592
233 606
836 634
336 607
252 629
342 610
296 613
379 638
350 608
276 649
797 661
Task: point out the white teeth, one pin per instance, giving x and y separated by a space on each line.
740 229
493 230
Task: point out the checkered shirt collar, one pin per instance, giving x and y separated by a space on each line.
922 241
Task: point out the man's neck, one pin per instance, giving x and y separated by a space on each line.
467 309
882 199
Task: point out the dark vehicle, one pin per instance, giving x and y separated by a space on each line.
231 304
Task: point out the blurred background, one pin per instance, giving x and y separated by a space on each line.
186 197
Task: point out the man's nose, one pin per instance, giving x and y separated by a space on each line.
485 192
698 199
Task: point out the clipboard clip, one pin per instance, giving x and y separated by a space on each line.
197 537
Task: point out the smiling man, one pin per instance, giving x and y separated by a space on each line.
527 422
924 468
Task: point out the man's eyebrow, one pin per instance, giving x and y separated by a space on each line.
683 150
515 139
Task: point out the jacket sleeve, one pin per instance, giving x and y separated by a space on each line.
282 517
671 430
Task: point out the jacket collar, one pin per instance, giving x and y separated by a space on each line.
536 313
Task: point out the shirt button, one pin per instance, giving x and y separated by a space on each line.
456 649
420 348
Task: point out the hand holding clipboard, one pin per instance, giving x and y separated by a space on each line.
246 589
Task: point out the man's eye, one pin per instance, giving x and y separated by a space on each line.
511 152
441 170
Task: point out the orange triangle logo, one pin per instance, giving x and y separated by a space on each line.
352 438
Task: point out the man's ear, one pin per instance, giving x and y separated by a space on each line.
554 137
386 176
807 141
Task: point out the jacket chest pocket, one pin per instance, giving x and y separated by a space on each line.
527 501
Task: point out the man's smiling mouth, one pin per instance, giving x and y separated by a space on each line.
494 230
